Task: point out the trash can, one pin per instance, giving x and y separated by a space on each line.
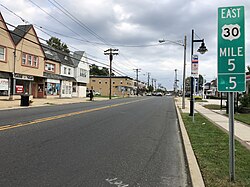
25 100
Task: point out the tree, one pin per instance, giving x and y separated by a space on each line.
150 88
248 68
57 44
96 70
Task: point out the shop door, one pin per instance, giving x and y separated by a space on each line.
40 91
33 91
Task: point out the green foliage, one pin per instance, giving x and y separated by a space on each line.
245 100
248 68
95 70
150 88
57 44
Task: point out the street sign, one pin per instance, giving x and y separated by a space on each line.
194 66
231 49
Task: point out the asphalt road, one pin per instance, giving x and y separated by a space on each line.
118 143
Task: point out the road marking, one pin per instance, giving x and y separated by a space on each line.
7 127
116 182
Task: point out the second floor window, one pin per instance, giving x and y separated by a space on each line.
65 70
69 71
2 53
50 67
83 73
29 60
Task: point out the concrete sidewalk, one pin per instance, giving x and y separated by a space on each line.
5 103
242 131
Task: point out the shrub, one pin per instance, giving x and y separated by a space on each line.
245 100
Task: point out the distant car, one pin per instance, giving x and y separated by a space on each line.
168 94
148 94
94 93
158 94
97 93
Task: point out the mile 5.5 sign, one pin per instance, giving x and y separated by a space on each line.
231 49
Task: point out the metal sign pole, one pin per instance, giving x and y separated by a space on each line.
231 138
194 82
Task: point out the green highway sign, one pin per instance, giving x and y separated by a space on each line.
231 49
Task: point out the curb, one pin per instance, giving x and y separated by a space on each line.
194 170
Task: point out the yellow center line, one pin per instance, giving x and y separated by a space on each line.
7 127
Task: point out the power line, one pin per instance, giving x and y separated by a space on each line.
58 51
76 20
42 30
60 22
38 27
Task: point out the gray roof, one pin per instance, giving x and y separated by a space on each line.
65 59
77 57
19 32
57 55
50 53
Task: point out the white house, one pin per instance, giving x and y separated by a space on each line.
67 71
81 73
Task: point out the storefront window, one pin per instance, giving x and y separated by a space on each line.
74 87
53 88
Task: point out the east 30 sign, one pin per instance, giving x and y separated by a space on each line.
231 49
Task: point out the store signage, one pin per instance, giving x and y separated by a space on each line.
19 89
24 77
194 67
4 84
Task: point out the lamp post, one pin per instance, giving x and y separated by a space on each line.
184 44
201 50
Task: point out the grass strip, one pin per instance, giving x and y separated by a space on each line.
245 118
213 106
211 148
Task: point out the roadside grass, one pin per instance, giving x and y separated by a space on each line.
213 106
245 118
201 100
211 148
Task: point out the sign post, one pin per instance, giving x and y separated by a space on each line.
194 74
231 64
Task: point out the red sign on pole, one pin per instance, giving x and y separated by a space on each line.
194 66
19 89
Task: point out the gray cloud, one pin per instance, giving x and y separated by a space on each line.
139 22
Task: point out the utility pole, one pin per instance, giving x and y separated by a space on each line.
152 84
110 52
137 81
148 79
175 82
184 73
155 84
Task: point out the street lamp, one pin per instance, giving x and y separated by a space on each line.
202 49
184 44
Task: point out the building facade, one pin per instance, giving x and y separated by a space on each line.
7 48
122 86
81 73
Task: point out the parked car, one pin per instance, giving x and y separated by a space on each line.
148 94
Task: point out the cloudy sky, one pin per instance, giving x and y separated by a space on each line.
134 27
